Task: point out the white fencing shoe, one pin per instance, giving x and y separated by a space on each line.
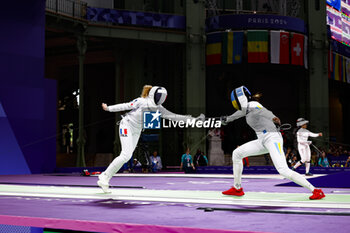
103 182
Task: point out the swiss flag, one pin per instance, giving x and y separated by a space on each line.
297 49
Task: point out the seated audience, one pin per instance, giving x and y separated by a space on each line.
323 160
156 162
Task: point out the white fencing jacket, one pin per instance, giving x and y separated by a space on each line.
139 105
303 134
257 117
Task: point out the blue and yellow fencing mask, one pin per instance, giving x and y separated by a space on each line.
240 97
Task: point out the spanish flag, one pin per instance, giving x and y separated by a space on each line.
214 51
258 46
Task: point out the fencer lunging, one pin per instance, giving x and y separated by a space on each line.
304 145
131 126
270 140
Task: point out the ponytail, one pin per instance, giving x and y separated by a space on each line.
145 91
257 96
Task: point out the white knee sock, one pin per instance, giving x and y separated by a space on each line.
115 166
237 173
300 180
307 167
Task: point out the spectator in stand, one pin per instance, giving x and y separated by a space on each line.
338 155
295 159
289 156
245 162
128 166
330 152
344 153
187 163
347 164
323 161
314 158
156 162
292 159
200 160
136 164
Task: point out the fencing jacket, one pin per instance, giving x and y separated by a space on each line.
303 134
139 105
257 117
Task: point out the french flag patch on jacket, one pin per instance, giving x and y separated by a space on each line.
123 132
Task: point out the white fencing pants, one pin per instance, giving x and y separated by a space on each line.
271 143
305 155
129 137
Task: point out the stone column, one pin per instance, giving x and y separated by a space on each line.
318 80
82 46
195 69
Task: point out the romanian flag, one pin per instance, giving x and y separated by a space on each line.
232 46
213 51
258 46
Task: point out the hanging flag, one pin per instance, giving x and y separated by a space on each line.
232 46
297 49
305 52
334 55
334 58
343 78
238 38
257 46
336 66
347 64
330 63
213 51
279 47
227 47
340 77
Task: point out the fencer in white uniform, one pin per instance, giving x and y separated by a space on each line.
131 126
270 140
304 145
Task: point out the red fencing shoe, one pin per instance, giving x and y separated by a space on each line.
234 192
317 194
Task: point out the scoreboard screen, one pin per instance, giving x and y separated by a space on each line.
338 19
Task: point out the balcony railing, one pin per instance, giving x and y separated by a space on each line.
75 9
